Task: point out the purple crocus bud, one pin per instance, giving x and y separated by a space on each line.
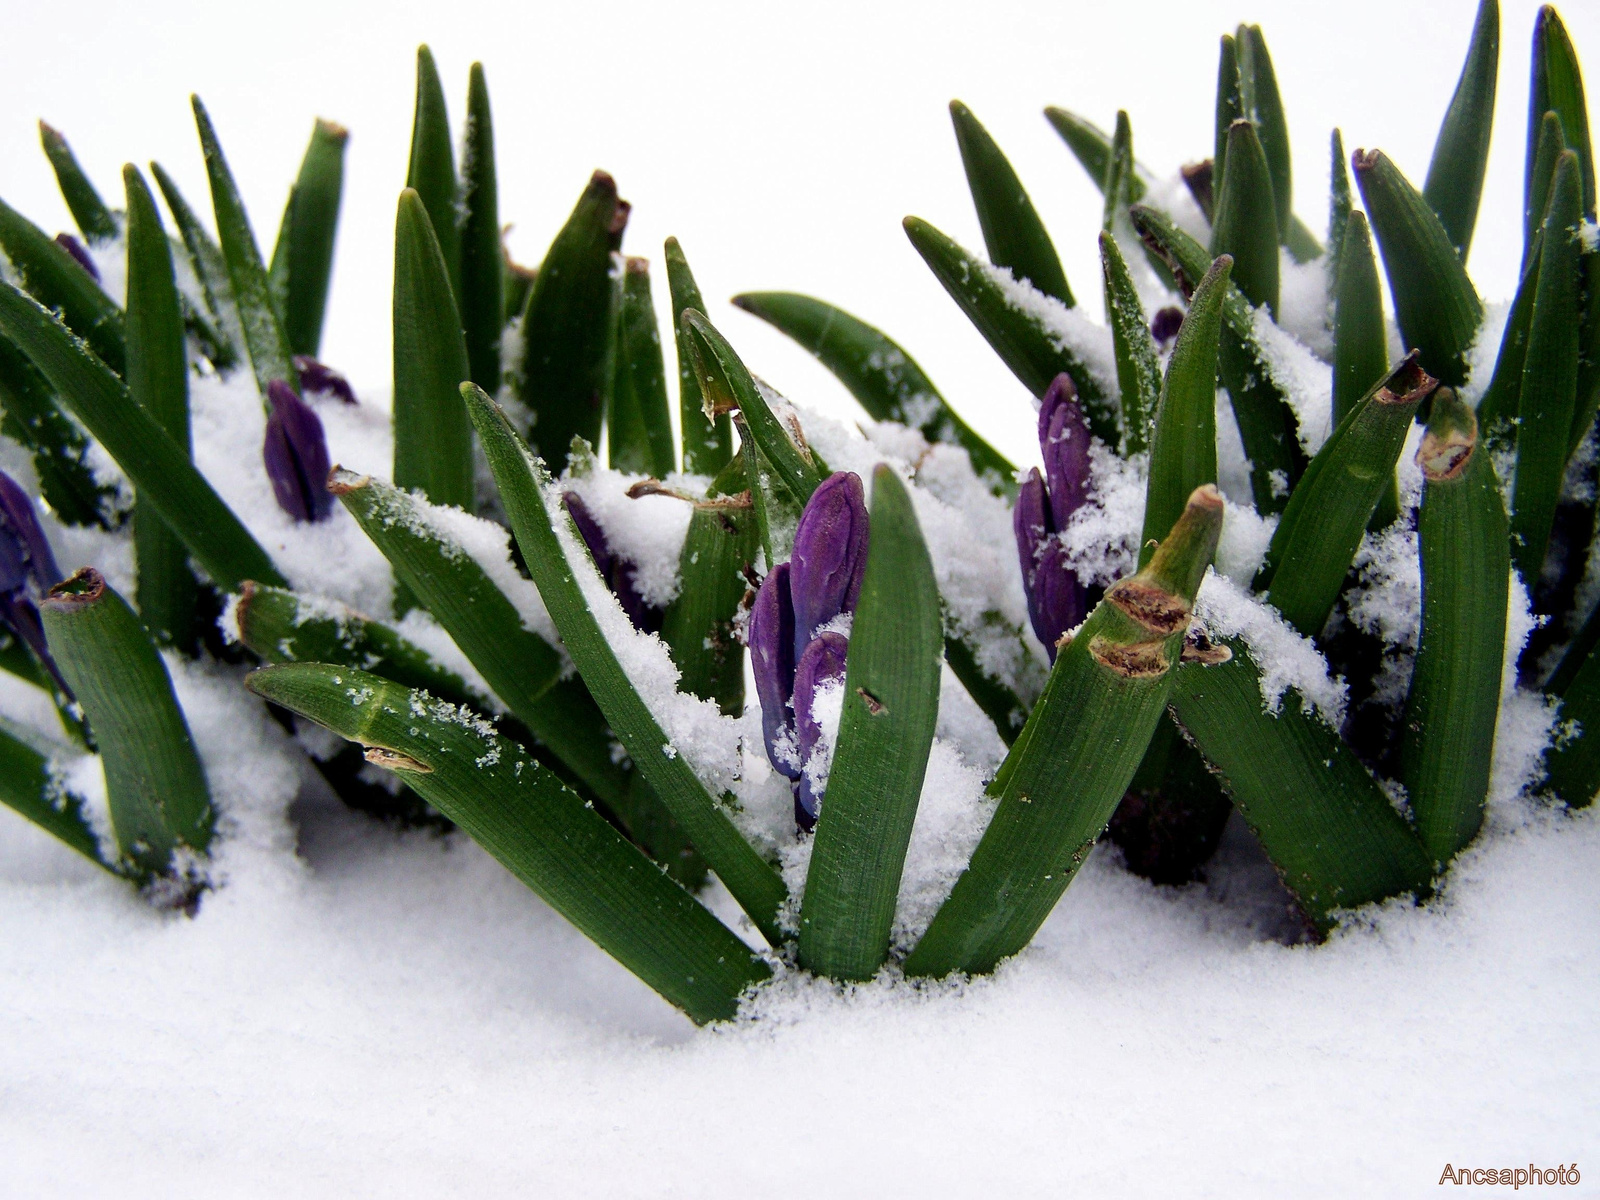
25 559
296 454
322 379
1064 438
1056 601
830 555
770 635
24 552
1165 324
593 536
820 665
76 248
645 616
1030 522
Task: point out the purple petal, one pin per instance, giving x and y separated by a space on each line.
21 616
24 550
1165 324
1057 600
830 555
296 454
1064 438
646 617
322 379
593 536
770 635
1030 522
822 663
76 248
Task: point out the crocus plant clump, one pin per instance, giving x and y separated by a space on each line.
1267 567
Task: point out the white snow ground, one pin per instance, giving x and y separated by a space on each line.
360 1012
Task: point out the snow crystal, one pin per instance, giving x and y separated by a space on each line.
1286 658
648 532
1304 306
1069 328
1305 380
1485 349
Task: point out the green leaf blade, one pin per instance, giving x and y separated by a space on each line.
1138 367
1246 227
302 259
539 830
95 221
1454 698
640 417
707 438
1012 231
753 883
155 784
56 280
482 296
878 372
157 465
432 436
1454 185
891 706
431 172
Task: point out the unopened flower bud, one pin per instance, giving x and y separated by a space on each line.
771 639
322 379
81 255
830 555
296 455
1064 439
822 664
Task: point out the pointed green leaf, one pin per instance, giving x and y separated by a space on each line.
1266 424
522 481
1020 337
155 785
1461 153
1245 225
1434 301
30 416
1012 231
1557 86
1502 399
716 567
1548 395
302 259
1329 829
891 705
482 296
432 169
1339 203
1360 341
886 380
1314 544
640 420
1454 698
1138 368
566 326
1091 146
247 278
158 382
1183 444
726 384
30 786
211 269
1075 757
707 441
1119 171
542 832
95 221
158 467
432 437
58 281
1264 107
1230 107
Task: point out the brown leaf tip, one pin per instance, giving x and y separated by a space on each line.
1157 609
874 706
1408 383
393 760
1141 660
84 587
1199 648
1363 161
341 482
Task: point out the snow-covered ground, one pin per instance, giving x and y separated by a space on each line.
358 1011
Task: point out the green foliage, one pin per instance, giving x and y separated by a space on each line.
302 258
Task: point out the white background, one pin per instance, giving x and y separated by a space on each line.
782 144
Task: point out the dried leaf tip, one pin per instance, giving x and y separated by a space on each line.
342 481
1451 438
82 588
393 760
1408 383
1141 660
